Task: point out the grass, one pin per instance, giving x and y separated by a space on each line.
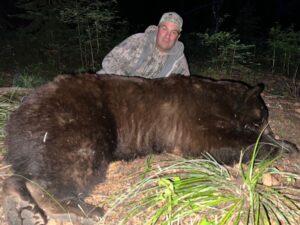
26 80
8 103
201 191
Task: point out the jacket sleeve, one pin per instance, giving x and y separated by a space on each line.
181 67
120 57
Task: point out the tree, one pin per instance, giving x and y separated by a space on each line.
64 31
95 22
216 8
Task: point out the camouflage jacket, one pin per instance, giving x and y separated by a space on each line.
138 56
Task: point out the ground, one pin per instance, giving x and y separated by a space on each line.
282 99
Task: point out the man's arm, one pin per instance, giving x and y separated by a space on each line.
181 67
120 57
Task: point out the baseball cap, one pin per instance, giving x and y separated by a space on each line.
172 17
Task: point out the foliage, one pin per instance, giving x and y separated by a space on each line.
30 77
227 50
95 23
8 103
285 46
73 36
201 191
65 34
42 37
27 81
221 51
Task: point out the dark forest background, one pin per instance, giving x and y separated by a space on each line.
41 38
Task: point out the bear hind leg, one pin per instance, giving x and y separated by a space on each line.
19 206
26 204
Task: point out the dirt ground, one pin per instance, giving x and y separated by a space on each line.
284 120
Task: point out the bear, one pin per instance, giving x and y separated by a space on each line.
63 136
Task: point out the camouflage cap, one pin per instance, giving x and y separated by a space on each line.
172 17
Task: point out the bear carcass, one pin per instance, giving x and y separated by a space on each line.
64 135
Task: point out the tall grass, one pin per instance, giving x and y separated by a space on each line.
27 80
8 103
201 191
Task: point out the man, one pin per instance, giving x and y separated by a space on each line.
153 54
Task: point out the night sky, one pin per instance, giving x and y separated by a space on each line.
197 14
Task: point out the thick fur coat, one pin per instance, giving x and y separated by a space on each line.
65 134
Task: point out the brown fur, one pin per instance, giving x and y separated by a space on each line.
64 135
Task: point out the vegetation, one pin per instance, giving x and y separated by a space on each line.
285 45
8 103
62 36
28 80
201 191
225 50
73 36
223 54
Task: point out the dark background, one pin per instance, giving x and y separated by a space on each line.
197 14
219 35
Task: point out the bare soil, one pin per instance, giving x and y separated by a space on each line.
284 110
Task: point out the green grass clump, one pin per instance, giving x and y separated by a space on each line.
201 191
27 80
8 103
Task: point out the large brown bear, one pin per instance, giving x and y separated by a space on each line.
63 136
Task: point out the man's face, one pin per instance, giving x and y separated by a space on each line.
167 35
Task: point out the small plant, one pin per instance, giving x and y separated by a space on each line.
205 192
285 46
7 105
227 51
27 80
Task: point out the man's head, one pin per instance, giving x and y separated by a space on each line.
172 17
169 28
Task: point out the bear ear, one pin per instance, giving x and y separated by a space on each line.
254 92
